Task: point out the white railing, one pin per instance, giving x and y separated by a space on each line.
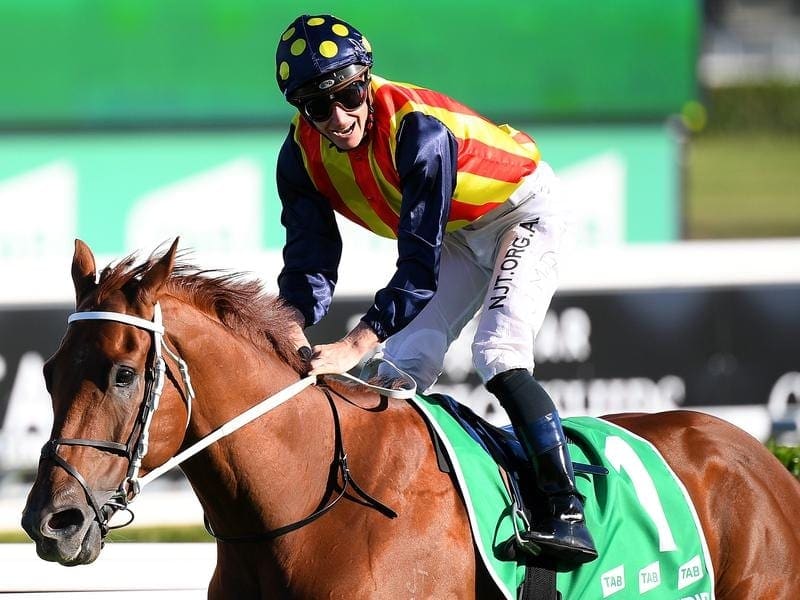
123 570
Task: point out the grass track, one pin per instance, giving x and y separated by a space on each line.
188 533
743 185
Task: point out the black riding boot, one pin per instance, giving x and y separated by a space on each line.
562 534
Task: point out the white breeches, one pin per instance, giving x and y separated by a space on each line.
506 265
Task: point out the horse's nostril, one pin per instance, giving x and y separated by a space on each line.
65 519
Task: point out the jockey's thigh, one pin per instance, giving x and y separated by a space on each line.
523 282
419 348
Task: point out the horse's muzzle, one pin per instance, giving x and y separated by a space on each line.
67 534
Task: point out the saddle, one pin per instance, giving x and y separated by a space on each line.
502 445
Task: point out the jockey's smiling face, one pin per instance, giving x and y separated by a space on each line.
345 128
347 124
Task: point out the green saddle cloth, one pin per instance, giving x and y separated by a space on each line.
644 524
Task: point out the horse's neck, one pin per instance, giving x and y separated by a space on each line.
240 479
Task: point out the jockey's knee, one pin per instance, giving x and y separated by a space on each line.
491 359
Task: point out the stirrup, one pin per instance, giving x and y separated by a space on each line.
516 547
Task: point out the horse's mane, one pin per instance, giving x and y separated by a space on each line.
235 299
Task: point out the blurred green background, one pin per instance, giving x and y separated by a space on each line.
726 158
193 62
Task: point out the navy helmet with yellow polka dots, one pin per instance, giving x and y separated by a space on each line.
317 45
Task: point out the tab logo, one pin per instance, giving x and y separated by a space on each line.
649 577
613 581
690 572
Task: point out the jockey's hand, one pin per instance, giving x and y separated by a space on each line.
345 354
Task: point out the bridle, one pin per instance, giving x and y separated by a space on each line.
136 447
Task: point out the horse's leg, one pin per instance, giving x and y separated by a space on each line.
230 579
746 500
426 552
449 567
245 571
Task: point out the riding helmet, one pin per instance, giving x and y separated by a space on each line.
317 53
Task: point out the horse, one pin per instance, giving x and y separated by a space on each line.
275 491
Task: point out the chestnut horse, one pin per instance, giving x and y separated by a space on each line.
283 466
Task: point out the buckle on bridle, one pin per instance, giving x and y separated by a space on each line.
129 489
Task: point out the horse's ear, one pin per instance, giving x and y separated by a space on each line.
153 280
83 270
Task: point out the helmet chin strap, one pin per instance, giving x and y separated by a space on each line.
370 115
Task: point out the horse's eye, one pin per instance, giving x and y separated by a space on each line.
124 377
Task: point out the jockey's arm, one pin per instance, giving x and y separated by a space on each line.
295 329
426 159
313 245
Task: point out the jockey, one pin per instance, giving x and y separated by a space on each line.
478 222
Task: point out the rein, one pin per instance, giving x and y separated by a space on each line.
136 447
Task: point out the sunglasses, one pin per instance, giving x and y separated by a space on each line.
320 108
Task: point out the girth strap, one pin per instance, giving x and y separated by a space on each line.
539 584
347 481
